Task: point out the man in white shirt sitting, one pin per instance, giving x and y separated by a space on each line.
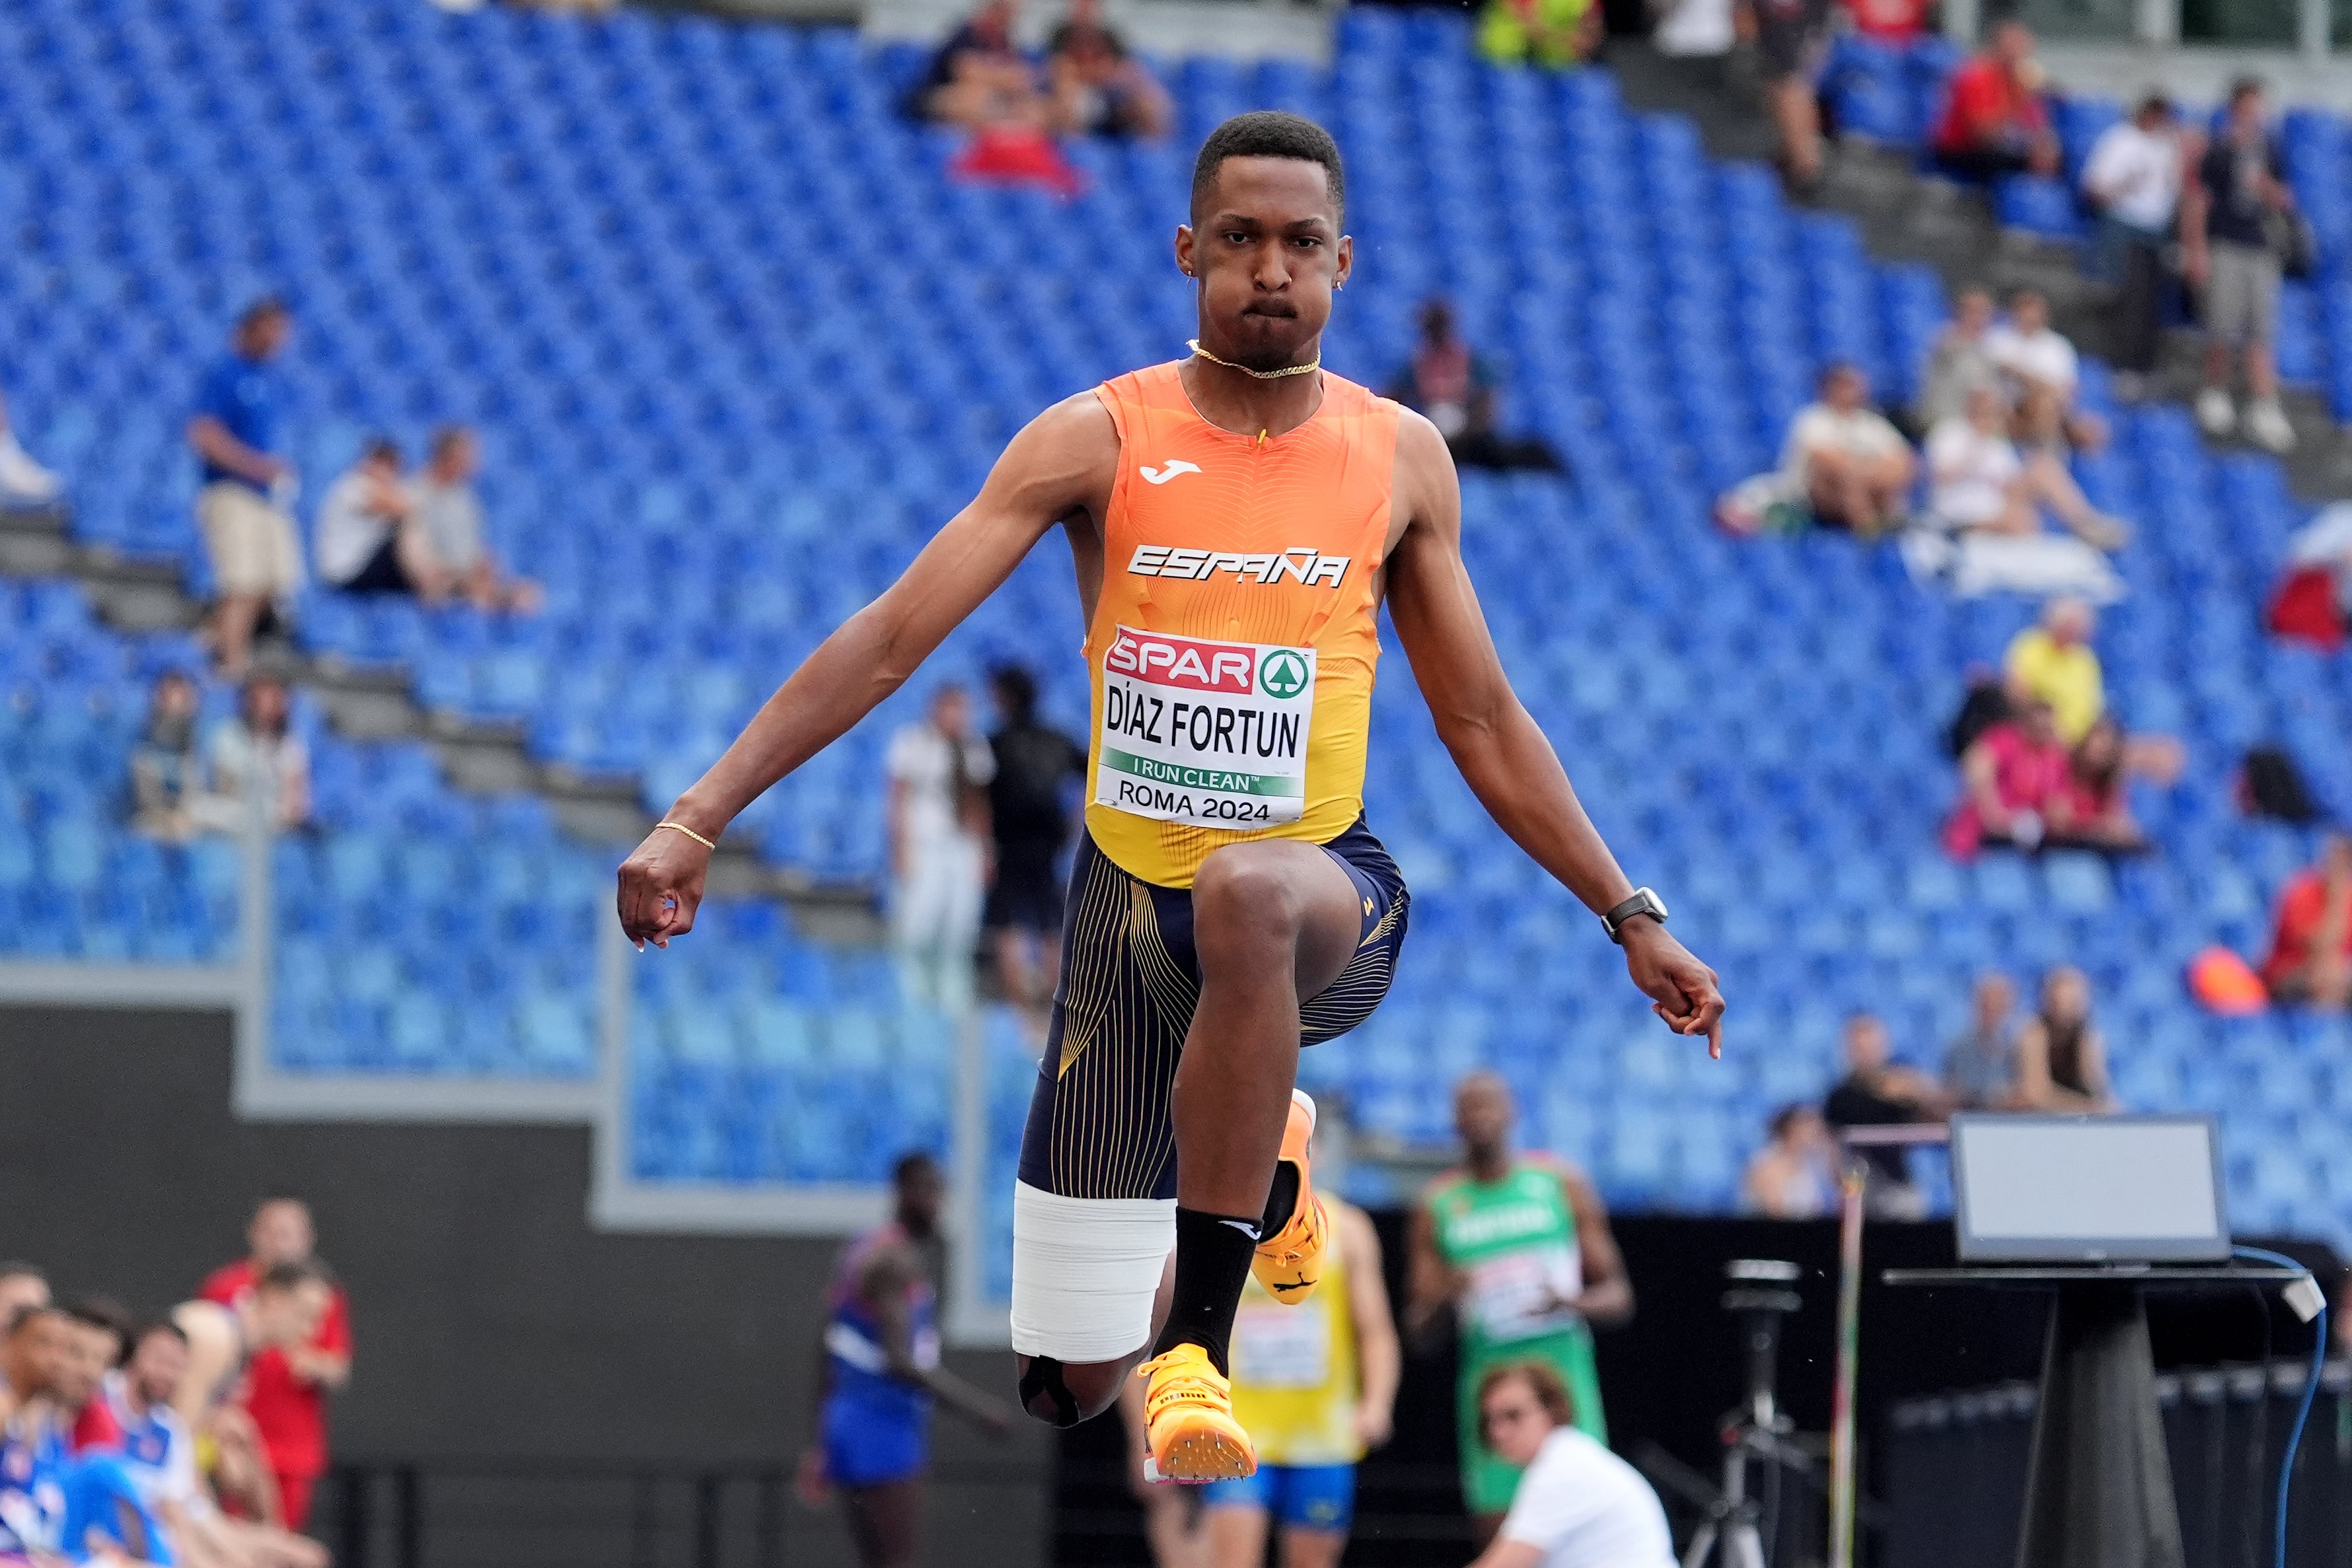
2134 177
1578 1505
2044 374
1850 464
369 538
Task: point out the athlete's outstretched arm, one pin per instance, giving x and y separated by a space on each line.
1060 463
1506 760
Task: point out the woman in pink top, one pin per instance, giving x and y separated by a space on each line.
2010 779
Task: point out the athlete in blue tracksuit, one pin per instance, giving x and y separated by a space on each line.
880 1372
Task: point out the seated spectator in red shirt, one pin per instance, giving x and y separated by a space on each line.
2311 944
1995 122
2089 810
2012 776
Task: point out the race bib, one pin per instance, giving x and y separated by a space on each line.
1208 733
1274 1347
1519 1295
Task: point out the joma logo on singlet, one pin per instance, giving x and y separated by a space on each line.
1508 1222
1300 562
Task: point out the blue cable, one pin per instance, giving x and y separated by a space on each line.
2310 1387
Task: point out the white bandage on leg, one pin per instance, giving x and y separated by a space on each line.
1085 1270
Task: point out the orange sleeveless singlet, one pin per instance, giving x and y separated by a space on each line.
1234 645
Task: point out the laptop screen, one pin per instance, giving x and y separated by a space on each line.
2087 1189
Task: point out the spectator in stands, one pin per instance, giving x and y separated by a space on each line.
1853 467
2238 206
257 749
2310 960
247 487
1980 1066
370 539
2089 811
1960 361
2311 600
286 1380
25 484
2010 779
1793 1176
980 79
1976 480
937 813
1878 1092
167 777
1790 38
1100 89
1029 816
2055 661
1994 120
1456 389
23 1286
2062 1061
449 515
1981 488
1555 32
1577 1505
2133 178
2044 374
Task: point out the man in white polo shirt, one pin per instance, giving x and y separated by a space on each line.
1578 1505
2134 177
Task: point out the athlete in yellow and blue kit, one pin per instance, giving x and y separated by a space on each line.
1237 520
1315 1386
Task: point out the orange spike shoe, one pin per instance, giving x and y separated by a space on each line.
1289 1264
1188 1420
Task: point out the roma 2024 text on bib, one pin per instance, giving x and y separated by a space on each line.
1208 733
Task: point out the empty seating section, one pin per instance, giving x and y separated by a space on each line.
1896 96
739 344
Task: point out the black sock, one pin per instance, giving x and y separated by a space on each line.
1212 1260
1280 1200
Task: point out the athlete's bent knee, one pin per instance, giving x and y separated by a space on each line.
1243 893
1063 1394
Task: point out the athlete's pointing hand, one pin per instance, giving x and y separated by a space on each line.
661 887
1681 989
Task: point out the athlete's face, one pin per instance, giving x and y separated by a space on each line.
1483 1112
156 1368
1267 251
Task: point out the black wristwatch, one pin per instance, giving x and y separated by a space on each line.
1644 902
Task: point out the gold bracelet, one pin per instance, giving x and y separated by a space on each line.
689 832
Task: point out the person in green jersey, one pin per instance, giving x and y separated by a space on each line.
1516 1247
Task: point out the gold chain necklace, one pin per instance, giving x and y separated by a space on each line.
1314 364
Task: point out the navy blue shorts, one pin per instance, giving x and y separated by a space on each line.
1101 1121
868 1443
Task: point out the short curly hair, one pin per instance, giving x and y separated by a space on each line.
1269 133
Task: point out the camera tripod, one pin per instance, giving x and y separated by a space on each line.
1756 1432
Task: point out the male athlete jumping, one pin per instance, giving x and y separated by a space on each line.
1236 519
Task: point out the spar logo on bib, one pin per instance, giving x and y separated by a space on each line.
1282 673
1195 731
